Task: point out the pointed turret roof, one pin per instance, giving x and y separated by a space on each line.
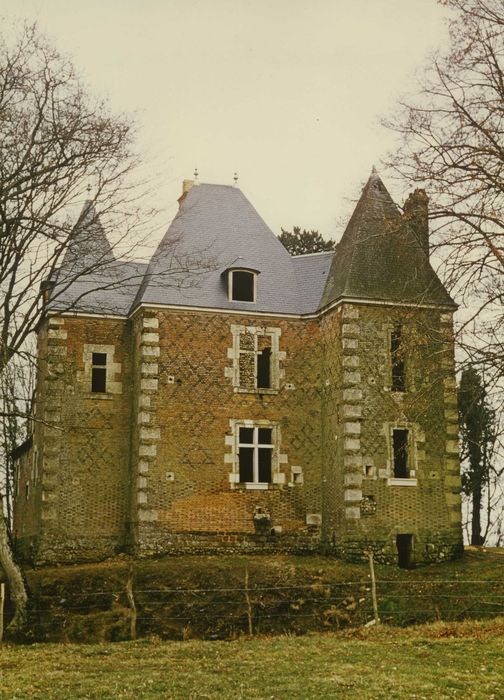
88 245
380 258
90 278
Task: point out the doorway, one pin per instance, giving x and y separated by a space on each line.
404 545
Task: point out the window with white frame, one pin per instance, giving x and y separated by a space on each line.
99 372
401 453
255 454
256 359
242 285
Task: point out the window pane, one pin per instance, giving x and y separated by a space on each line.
400 446
98 379
265 436
263 369
265 464
247 435
99 358
246 463
243 286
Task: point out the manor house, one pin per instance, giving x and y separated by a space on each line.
229 397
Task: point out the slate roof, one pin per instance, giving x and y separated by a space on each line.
311 273
90 279
217 229
110 290
380 258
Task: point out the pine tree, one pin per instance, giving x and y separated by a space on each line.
302 242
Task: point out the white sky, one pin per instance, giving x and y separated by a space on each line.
286 92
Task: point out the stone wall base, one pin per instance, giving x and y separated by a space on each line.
152 542
430 550
67 550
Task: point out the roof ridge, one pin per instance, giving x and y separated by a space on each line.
319 252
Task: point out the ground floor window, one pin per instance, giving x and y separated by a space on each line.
400 444
255 454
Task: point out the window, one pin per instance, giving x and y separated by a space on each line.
242 285
397 360
255 361
99 372
400 438
255 455
263 374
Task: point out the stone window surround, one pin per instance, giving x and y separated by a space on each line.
415 435
277 458
112 369
277 356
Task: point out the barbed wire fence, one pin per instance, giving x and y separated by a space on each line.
249 609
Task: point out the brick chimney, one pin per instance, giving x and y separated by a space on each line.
416 214
186 186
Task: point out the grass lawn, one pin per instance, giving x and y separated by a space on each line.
441 660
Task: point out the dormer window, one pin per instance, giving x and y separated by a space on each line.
242 285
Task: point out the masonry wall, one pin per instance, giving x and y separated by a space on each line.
83 441
370 508
185 498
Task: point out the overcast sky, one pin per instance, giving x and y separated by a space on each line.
288 93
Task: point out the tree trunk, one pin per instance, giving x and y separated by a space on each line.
476 538
15 580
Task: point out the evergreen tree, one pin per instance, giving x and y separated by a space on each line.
300 242
478 432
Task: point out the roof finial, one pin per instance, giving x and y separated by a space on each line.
374 171
235 178
88 190
196 176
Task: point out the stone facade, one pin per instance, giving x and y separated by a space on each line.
152 464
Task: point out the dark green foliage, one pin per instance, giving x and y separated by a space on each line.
478 431
300 242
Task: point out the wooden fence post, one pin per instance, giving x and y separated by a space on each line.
373 589
2 604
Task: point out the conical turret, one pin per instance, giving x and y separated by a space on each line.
380 258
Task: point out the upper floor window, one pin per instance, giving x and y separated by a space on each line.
99 372
397 359
242 285
256 358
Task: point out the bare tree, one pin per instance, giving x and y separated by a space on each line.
451 141
55 142
63 152
17 385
